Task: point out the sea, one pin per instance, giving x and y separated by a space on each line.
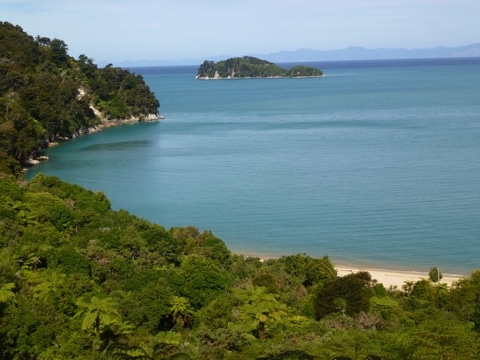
376 164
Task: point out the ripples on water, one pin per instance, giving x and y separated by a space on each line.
377 163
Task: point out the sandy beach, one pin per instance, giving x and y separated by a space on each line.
395 278
388 277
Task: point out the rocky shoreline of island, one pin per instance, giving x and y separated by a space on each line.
217 77
248 67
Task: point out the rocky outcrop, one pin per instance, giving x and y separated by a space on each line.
104 122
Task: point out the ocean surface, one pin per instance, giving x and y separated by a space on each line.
376 164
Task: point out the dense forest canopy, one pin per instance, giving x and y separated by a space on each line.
45 94
251 67
81 281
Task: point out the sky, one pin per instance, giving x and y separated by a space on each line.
118 30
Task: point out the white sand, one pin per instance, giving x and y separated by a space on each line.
393 278
389 278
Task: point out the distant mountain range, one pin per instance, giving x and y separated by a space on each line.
350 53
360 53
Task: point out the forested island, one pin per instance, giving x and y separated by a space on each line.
48 96
251 67
79 280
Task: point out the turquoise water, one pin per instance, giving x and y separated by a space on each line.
377 163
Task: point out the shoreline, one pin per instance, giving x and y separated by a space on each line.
258 77
104 123
390 278
394 279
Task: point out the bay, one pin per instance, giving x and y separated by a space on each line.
377 163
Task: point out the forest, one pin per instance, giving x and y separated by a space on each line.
47 95
79 280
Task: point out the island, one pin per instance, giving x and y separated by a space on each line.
251 67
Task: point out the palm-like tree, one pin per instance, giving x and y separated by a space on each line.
181 311
260 307
44 284
97 313
6 292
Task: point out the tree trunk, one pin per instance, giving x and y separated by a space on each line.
261 330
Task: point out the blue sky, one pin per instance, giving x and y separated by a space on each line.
118 30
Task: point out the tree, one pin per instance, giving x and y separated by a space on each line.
59 51
463 299
435 275
6 292
354 290
200 279
97 313
259 308
319 270
408 286
181 311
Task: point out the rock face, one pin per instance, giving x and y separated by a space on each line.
131 120
104 123
107 122
250 67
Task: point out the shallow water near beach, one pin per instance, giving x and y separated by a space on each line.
377 163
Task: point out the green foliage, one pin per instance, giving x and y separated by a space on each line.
259 309
312 271
193 242
250 67
463 300
79 280
46 95
435 275
97 313
70 261
266 280
120 94
244 268
6 293
303 71
289 355
126 352
148 307
201 280
181 311
222 341
349 294
218 313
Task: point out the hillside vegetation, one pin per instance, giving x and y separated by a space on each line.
46 95
78 280
251 67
